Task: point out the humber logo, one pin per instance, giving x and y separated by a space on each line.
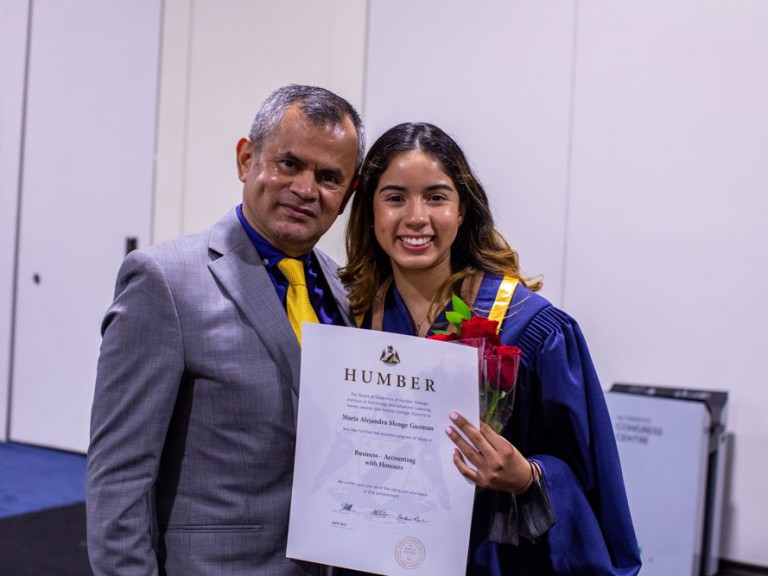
390 356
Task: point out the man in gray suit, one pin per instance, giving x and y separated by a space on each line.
193 423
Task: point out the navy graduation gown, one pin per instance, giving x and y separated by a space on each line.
560 420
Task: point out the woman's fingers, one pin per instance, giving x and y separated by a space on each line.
497 463
470 447
466 450
474 435
466 471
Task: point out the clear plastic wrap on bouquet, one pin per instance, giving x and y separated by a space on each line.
497 364
499 376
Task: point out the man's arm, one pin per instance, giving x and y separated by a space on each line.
140 367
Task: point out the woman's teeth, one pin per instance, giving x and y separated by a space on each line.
416 241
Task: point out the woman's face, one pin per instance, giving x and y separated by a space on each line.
416 213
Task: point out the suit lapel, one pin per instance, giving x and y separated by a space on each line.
236 264
238 267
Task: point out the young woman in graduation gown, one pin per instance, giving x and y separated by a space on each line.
551 498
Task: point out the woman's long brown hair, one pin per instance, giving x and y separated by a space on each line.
478 245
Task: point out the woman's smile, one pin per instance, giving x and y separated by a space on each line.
416 241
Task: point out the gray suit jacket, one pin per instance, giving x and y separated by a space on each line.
194 416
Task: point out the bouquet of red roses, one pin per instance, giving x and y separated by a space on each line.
498 363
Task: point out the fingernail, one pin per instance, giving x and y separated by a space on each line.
453 416
448 430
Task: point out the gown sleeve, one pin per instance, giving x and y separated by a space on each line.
561 421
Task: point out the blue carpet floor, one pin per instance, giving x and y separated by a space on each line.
33 478
42 514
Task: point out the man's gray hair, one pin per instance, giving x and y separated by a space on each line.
321 106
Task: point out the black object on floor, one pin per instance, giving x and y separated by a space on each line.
729 568
46 543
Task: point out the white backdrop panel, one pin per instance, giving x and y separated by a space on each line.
87 185
13 55
666 264
496 76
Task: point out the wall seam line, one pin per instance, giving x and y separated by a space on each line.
569 159
15 278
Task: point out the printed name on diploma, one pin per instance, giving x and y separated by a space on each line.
383 422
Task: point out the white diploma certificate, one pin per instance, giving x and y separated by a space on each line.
375 488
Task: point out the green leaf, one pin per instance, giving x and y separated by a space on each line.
460 307
454 318
439 331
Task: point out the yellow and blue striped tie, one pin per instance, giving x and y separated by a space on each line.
297 302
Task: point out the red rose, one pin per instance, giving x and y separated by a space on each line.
502 364
479 327
444 337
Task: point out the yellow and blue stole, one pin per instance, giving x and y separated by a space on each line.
492 296
487 295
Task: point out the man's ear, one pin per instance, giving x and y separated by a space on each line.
244 157
350 191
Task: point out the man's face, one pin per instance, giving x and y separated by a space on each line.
297 186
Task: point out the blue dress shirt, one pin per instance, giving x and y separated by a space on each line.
320 295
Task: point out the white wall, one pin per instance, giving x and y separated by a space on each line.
89 140
13 49
666 266
623 146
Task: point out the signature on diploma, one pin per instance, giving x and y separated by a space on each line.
383 513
